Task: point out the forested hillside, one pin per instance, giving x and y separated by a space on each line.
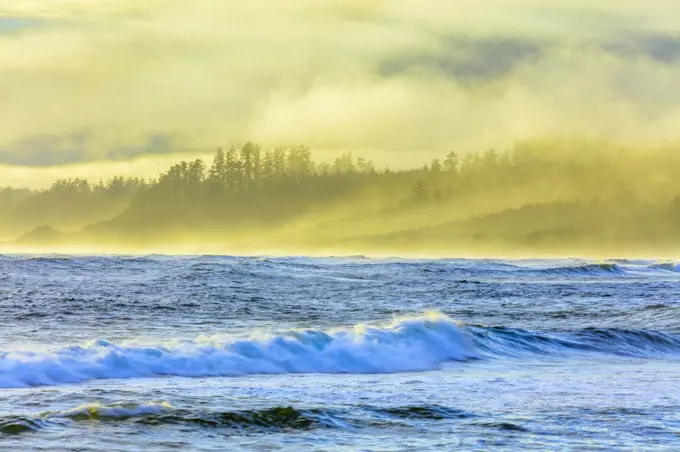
550 196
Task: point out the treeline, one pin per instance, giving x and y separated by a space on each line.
68 204
244 187
529 196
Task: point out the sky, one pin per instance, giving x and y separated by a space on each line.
104 85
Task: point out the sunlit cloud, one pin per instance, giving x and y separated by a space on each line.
111 80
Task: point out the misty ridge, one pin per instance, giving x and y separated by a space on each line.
540 197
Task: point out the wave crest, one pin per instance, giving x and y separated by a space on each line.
414 344
586 269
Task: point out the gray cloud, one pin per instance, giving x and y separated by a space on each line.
468 58
664 48
48 150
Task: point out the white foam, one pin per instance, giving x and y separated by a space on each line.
413 344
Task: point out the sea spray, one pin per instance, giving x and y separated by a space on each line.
407 344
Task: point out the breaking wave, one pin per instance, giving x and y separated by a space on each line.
406 345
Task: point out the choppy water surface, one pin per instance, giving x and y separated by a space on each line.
205 353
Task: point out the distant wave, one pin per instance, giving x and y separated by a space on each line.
52 259
667 266
406 345
264 266
620 267
586 269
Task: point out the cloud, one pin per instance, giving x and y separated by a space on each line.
46 150
113 79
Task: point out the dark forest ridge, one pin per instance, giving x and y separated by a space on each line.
564 197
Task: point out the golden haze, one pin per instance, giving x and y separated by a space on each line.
581 102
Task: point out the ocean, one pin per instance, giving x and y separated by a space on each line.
210 353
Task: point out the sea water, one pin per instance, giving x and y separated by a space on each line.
209 353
